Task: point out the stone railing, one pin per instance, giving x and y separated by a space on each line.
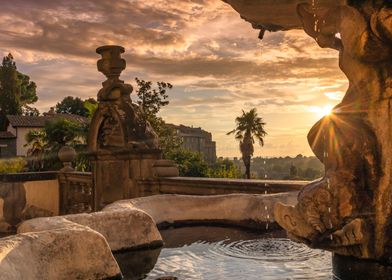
76 192
28 195
215 186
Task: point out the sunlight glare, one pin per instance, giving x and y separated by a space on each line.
321 111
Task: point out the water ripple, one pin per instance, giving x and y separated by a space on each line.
269 258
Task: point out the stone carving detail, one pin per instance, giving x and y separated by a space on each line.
121 122
349 211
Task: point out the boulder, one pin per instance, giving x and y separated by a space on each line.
72 253
124 229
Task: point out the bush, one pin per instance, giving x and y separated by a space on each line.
189 164
14 165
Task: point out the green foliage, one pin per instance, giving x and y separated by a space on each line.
285 168
16 90
45 144
28 89
150 99
13 165
91 107
224 168
61 132
189 164
74 105
29 111
169 141
248 127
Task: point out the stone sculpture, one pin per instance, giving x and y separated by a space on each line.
349 211
122 123
123 146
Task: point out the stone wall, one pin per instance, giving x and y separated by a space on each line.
215 186
26 196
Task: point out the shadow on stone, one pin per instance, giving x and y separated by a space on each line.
136 264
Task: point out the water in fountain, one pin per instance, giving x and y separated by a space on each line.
224 253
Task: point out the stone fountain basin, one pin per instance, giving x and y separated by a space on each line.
122 226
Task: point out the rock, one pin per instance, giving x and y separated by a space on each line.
349 211
73 253
123 229
236 209
275 15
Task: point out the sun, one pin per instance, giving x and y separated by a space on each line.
322 111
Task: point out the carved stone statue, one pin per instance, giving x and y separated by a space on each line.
118 121
123 146
349 211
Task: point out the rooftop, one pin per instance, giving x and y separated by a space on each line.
40 121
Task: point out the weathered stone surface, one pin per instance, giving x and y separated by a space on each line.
122 143
74 253
235 208
123 229
273 15
165 168
350 210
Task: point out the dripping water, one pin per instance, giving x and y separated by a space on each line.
266 192
330 225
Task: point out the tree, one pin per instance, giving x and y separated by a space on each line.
293 171
36 141
189 164
74 105
45 144
151 100
16 91
29 111
224 168
248 127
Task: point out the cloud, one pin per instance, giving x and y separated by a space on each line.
213 57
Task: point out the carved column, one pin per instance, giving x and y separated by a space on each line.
122 144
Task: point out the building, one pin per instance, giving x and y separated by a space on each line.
13 141
197 140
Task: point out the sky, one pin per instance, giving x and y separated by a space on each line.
214 59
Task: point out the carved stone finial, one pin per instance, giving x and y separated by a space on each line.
67 155
111 64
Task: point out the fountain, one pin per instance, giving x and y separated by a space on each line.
349 211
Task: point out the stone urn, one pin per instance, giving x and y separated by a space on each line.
111 64
67 155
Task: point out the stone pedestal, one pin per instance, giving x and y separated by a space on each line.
122 144
116 174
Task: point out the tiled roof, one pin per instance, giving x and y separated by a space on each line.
6 135
40 121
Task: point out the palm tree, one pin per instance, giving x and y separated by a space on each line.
248 127
37 148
